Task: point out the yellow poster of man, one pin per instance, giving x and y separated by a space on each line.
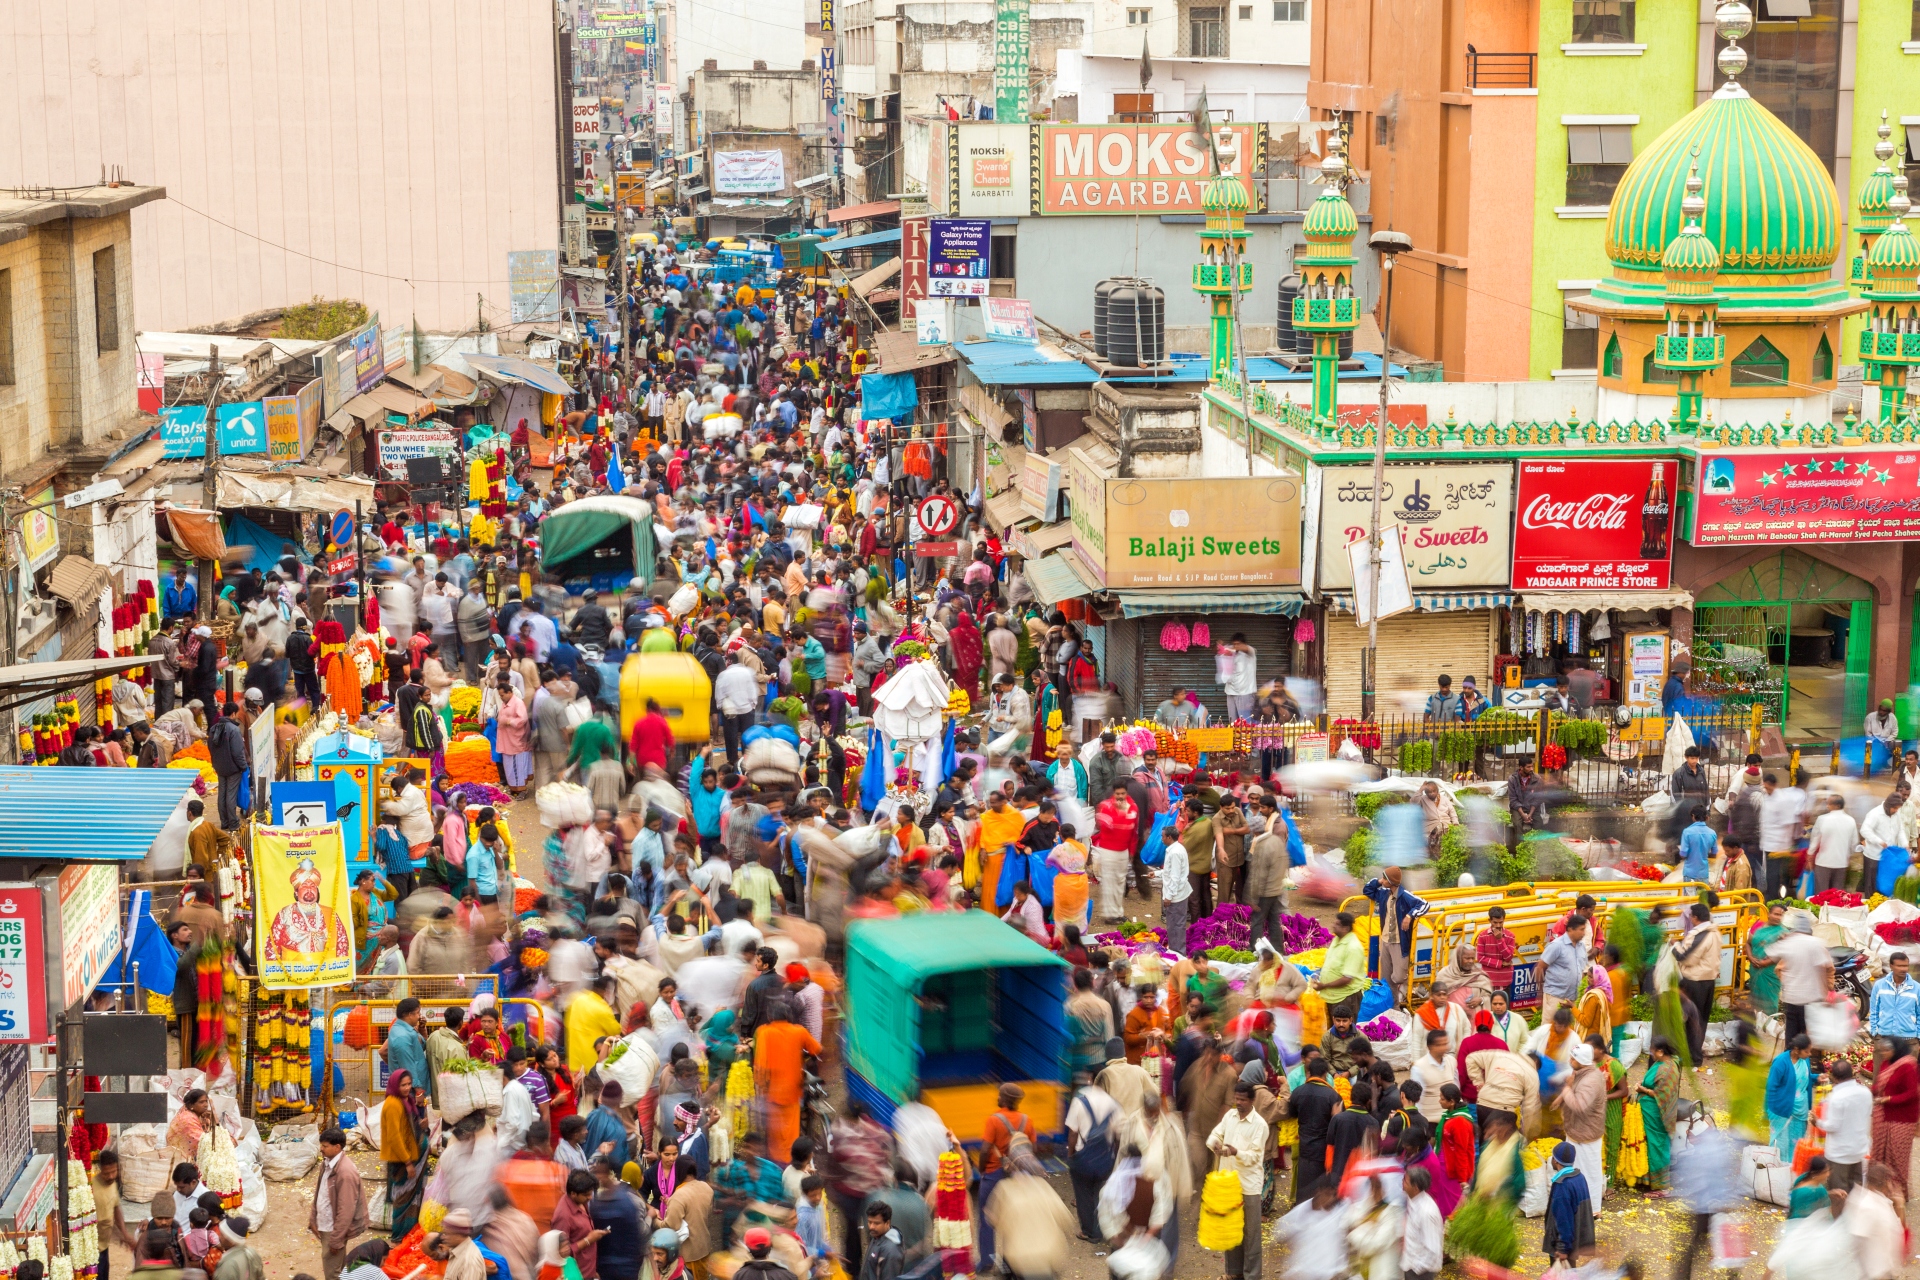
301 878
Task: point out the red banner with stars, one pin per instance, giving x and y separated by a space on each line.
1787 495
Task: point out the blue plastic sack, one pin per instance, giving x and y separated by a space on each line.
1031 867
753 735
1153 851
1894 862
785 732
1377 1000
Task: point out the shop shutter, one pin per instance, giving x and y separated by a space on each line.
1121 666
1270 634
1414 649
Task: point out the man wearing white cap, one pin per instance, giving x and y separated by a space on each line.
1583 1108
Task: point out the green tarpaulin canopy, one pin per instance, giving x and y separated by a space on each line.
572 531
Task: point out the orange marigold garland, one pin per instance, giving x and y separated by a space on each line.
952 1219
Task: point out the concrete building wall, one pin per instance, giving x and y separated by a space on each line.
735 34
1059 260
947 49
1649 89
24 419
749 100
390 153
1269 91
1501 179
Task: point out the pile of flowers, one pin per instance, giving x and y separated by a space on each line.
1837 898
1536 1154
1641 871
1309 960
1229 955
1383 1030
533 958
1301 933
1364 733
1136 740
1132 935
1898 932
1553 757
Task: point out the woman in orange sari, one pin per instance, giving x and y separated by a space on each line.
780 1074
1000 827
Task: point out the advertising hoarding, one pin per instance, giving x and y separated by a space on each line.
1791 495
1594 524
1139 168
1455 522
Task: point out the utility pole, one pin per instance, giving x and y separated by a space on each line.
1387 244
210 486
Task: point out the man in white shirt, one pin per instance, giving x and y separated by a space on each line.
1806 974
1435 1068
1834 838
1881 829
1781 809
1176 890
517 1111
1240 686
1240 1141
1849 1126
737 694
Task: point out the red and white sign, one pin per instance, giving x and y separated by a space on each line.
913 267
586 121
936 515
1138 168
23 960
1586 524
1780 496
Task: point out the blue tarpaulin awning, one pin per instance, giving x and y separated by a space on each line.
261 547
868 241
887 395
86 815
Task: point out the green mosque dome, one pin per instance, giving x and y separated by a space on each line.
1771 206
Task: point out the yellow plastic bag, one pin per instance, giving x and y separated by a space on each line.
1222 1223
1313 1017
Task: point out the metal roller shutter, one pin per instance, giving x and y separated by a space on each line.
1414 648
1270 635
1121 666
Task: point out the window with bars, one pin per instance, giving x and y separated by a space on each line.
1579 334
1761 365
1207 33
1603 21
1597 158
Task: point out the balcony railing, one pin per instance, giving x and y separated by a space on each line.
1500 70
1698 352
1218 276
1326 313
1889 346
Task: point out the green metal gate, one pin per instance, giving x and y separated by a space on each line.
1743 627
1740 654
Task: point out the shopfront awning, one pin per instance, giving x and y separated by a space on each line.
1042 538
1583 601
1005 511
31 681
282 492
867 281
77 580
85 815
1055 578
524 372
1265 600
872 240
1433 602
855 212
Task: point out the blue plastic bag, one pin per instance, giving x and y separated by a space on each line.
1296 847
1153 850
1894 862
1031 867
1377 1000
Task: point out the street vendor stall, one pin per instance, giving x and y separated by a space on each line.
603 542
944 1008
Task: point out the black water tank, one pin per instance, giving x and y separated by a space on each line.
1283 333
1137 325
1102 292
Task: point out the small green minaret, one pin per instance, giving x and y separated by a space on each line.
1327 306
1223 251
1690 347
1874 215
1890 344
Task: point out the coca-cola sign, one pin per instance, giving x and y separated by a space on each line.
1589 524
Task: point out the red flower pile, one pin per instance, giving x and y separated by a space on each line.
1837 898
1553 757
1641 871
1898 932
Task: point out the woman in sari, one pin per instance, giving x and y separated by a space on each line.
968 652
1000 827
1896 1106
1617 1090
564 1096
1789 1097
189 1126
1593 1012
403 1141
1071 895
1763 972
1657 1092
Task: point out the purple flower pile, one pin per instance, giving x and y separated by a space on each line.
1303 933
1133 943
1383 1030
1230 926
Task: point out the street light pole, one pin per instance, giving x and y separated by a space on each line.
1388 244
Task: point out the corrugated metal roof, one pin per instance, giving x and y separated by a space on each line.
82 815
77 579
1014 364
